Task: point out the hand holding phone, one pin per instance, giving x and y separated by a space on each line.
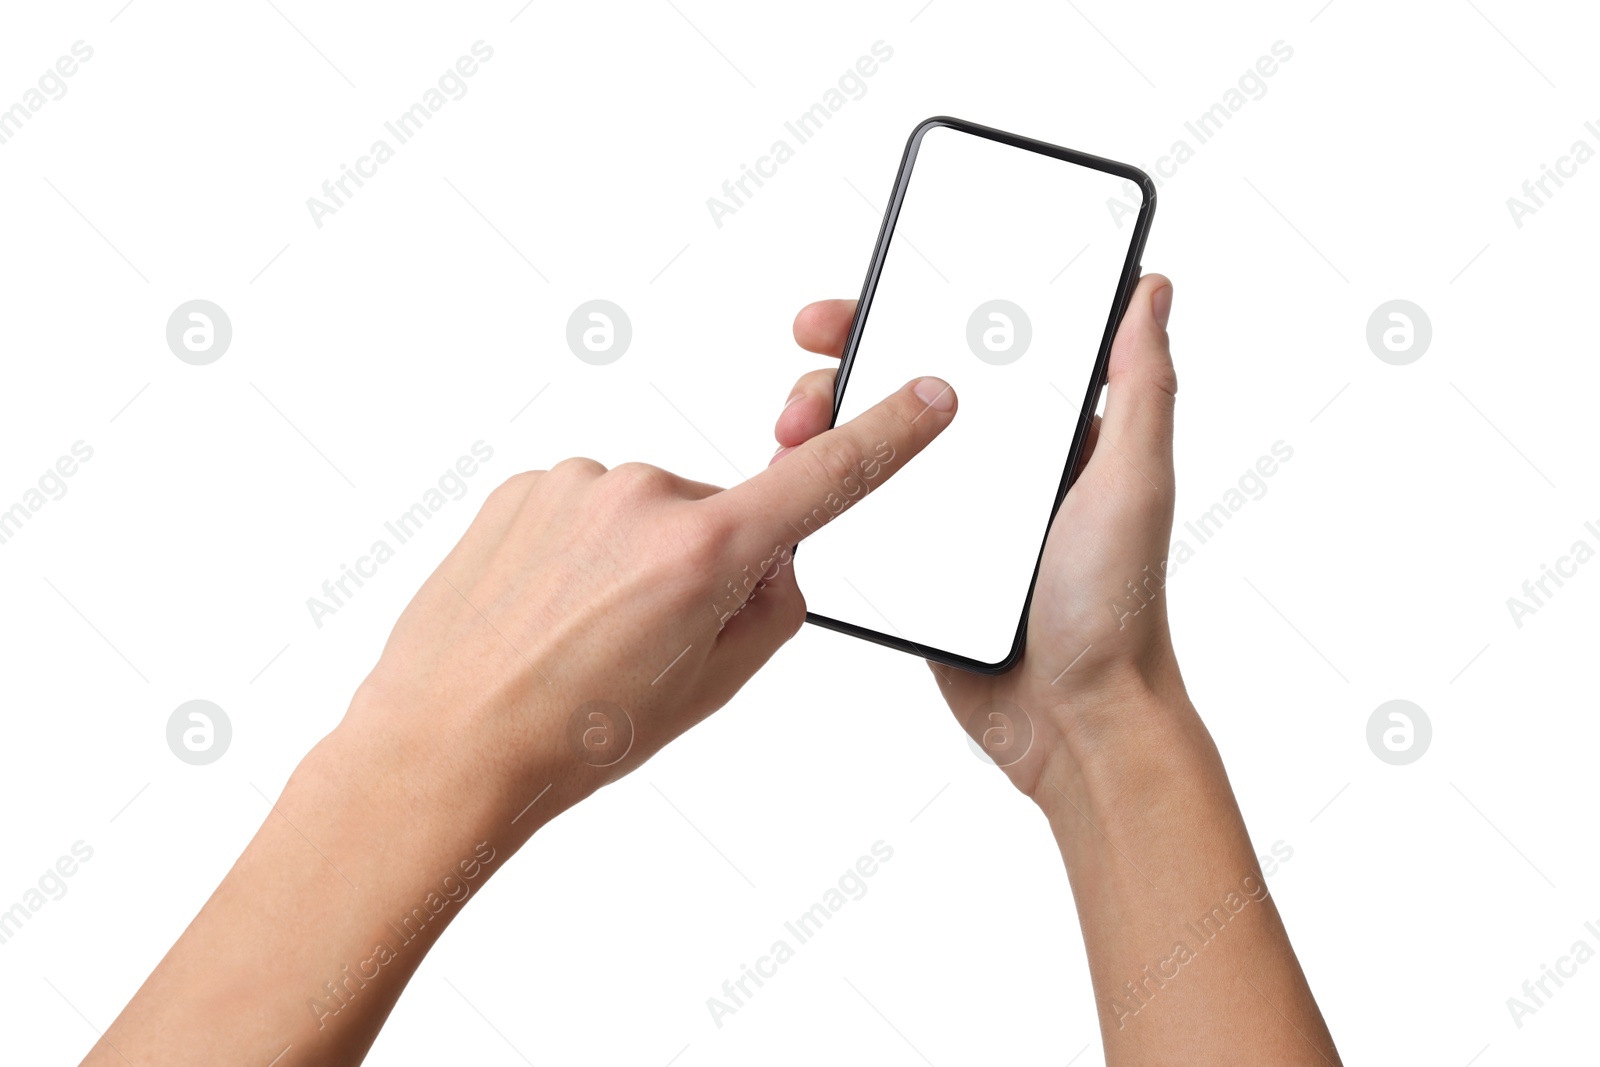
1000 268
1097 631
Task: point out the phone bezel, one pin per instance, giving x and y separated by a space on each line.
1125 287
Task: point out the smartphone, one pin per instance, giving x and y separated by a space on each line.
1003 266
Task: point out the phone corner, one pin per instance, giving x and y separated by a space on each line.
932 122
1001 666
1146 184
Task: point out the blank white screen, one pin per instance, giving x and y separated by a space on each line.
943 553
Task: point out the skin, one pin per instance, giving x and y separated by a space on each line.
645 591
1120 762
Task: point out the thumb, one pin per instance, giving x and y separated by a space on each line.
1142 385
833 471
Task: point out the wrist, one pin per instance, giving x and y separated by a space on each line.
484 771
1119 741
1136 796
398 804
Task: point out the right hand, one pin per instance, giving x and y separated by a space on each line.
657 595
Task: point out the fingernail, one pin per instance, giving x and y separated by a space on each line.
1161 305
783 450
935 393
790 402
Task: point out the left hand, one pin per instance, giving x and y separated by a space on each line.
1097 640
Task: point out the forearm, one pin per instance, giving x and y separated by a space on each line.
307 944
1187 953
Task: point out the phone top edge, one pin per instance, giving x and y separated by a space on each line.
1146 184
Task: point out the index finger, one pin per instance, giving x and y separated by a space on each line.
821 479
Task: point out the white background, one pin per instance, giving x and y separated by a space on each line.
416 321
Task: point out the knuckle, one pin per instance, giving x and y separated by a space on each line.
630 494
642 477
514 488
1165 379
578 467
831 461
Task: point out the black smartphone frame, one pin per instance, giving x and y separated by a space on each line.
1119 305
